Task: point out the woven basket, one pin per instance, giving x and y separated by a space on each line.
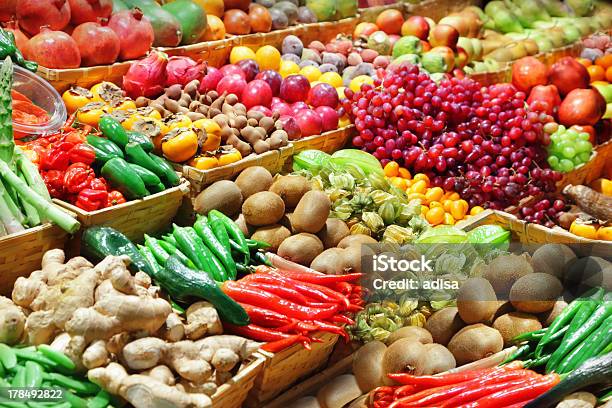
437 9
328 142
585 173
371 13
233 393
283 369
62 79
21 253
149 215
272 160
215 53
493 77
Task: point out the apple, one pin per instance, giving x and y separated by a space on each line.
257 92
528 72
273 78
290 126
462 58
231 84
263 109
582 107
444 35
364 30
231 69
568 74
605 89
309 122
329 118
416 26
544 98
210 80
447 54
298 106
294 88
323 95
250 68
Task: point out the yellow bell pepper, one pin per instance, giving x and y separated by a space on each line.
180 145
176 121
604 233
213 134
204 162
107 92
76 97
230 157
91 113
584 230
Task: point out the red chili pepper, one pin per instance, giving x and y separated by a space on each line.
404 390
78 176
315 291
344 287
326 280
476 392
526 391
280 345
265 317
242 293
440 380
57 157
342 319
258 333
282 291
54 180
82 153
91 200
328 327
69 122
115 198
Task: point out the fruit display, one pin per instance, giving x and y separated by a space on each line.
568 149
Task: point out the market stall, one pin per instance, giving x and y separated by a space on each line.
306 204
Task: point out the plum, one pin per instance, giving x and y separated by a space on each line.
317 46
308 54
323 95
328 68
292 45
273 79
335 59
329 118
306 16
591 53
308 63
294 88
354 59
250 68
291 57
309 122
279 19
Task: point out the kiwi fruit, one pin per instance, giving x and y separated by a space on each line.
535 293
586 273
439 359
548 317
302 248
552 259
311 212
367 365
475 342
333 232
504 270
444 324
352 259
246 229
476 300
330 262
253 180
223 195
403 356
290 188
512 324
357 239
272 234
263 208
410 332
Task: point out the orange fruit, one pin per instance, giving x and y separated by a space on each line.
391 169
268 57
436 204
435 215
476 210
215 29
434 194
604 61
596 72
419 187
214 7
458 210
584 61
404 173
448 219
609 74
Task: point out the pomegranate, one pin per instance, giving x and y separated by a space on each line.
53 49
34 14
182 70
7 10
98 45
544 98
82 11
582 107
568 74
20 38
134 31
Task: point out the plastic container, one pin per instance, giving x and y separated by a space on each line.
42 94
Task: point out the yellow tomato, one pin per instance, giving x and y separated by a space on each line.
398 182
356 82
334 79
391 169
76 97
458 210
180 146
584 230
241 53
434 194
421 176
449 219
454 196
288 68
604 233
416 196
91 113
435 215
424 210
419 187
476 210
311 73
446 204
268 57
404 173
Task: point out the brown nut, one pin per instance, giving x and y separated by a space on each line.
141 101
275 142
221 120
192 87
240 122
267 123
282 135
172 105
212 94
234 140
240 108
174 91
195 116
262 132
253 122
203 109
227 109
183 110
226 133
194 105
157 107
261 146
236 131
212 112
231 99
255 115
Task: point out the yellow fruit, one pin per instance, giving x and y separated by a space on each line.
433 204
603 186
344 122
416 196
398 182
404 173
454 196
334 79
446 203
421 176
288 68
356 82
241 53
476 210
268 57
448 219
311 73
584 230
419 187
458 210
435 215
391 169
340 91
604 233
424 210
434 194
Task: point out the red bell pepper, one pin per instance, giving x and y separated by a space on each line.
82 153
98 183
115 198
91 200
78 176
57 157
54 180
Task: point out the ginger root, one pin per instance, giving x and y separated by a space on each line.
12 322
202 320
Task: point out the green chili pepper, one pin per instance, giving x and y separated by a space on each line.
108 147
233 232
113 130
119 173
191 247
260 257
7 44
222 253
591 347
74 400
538 362
160 255
19 379
101 400
172 250
157 188
148 177
134 153
7 356
217 270
529 336
56 356
13 404
169 176
141 139
147 254
219 230
519 353
253 243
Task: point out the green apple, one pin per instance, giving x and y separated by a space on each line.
605 90
608 114
571 33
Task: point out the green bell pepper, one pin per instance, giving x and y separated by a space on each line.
119 173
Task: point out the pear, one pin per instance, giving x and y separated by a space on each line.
557 36
518 50
581 7
571 33
503 54
583 25
554 8
531 46
477 46
544 44
494 7
507 22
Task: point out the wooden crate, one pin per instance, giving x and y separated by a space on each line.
233 393
285 368
272 160
63 79
21 253
149 215
215 53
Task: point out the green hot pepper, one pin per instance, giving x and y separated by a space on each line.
141 139
172 250
192 247
591 347
148 177
160 255
210 240
107 147
233 231
121 175
169 176
113 130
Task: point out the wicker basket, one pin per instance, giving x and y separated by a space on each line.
135 218
327 142
493 77
370 14
62 79
437 9
232 394
215 53
21 253
283 369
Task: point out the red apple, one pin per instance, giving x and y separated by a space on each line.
231 84
329 118
273 78
231 69
448 54
425 45
582 107
528 72
568 74
443 34
309 122
323 95
298 106
291 126
544 98
210 80
250 68
364 30
282 108
294 88
417 26
263 109
462 58
256 92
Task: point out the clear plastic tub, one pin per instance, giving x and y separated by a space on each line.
42 94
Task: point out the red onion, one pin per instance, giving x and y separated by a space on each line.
146 77
182 70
